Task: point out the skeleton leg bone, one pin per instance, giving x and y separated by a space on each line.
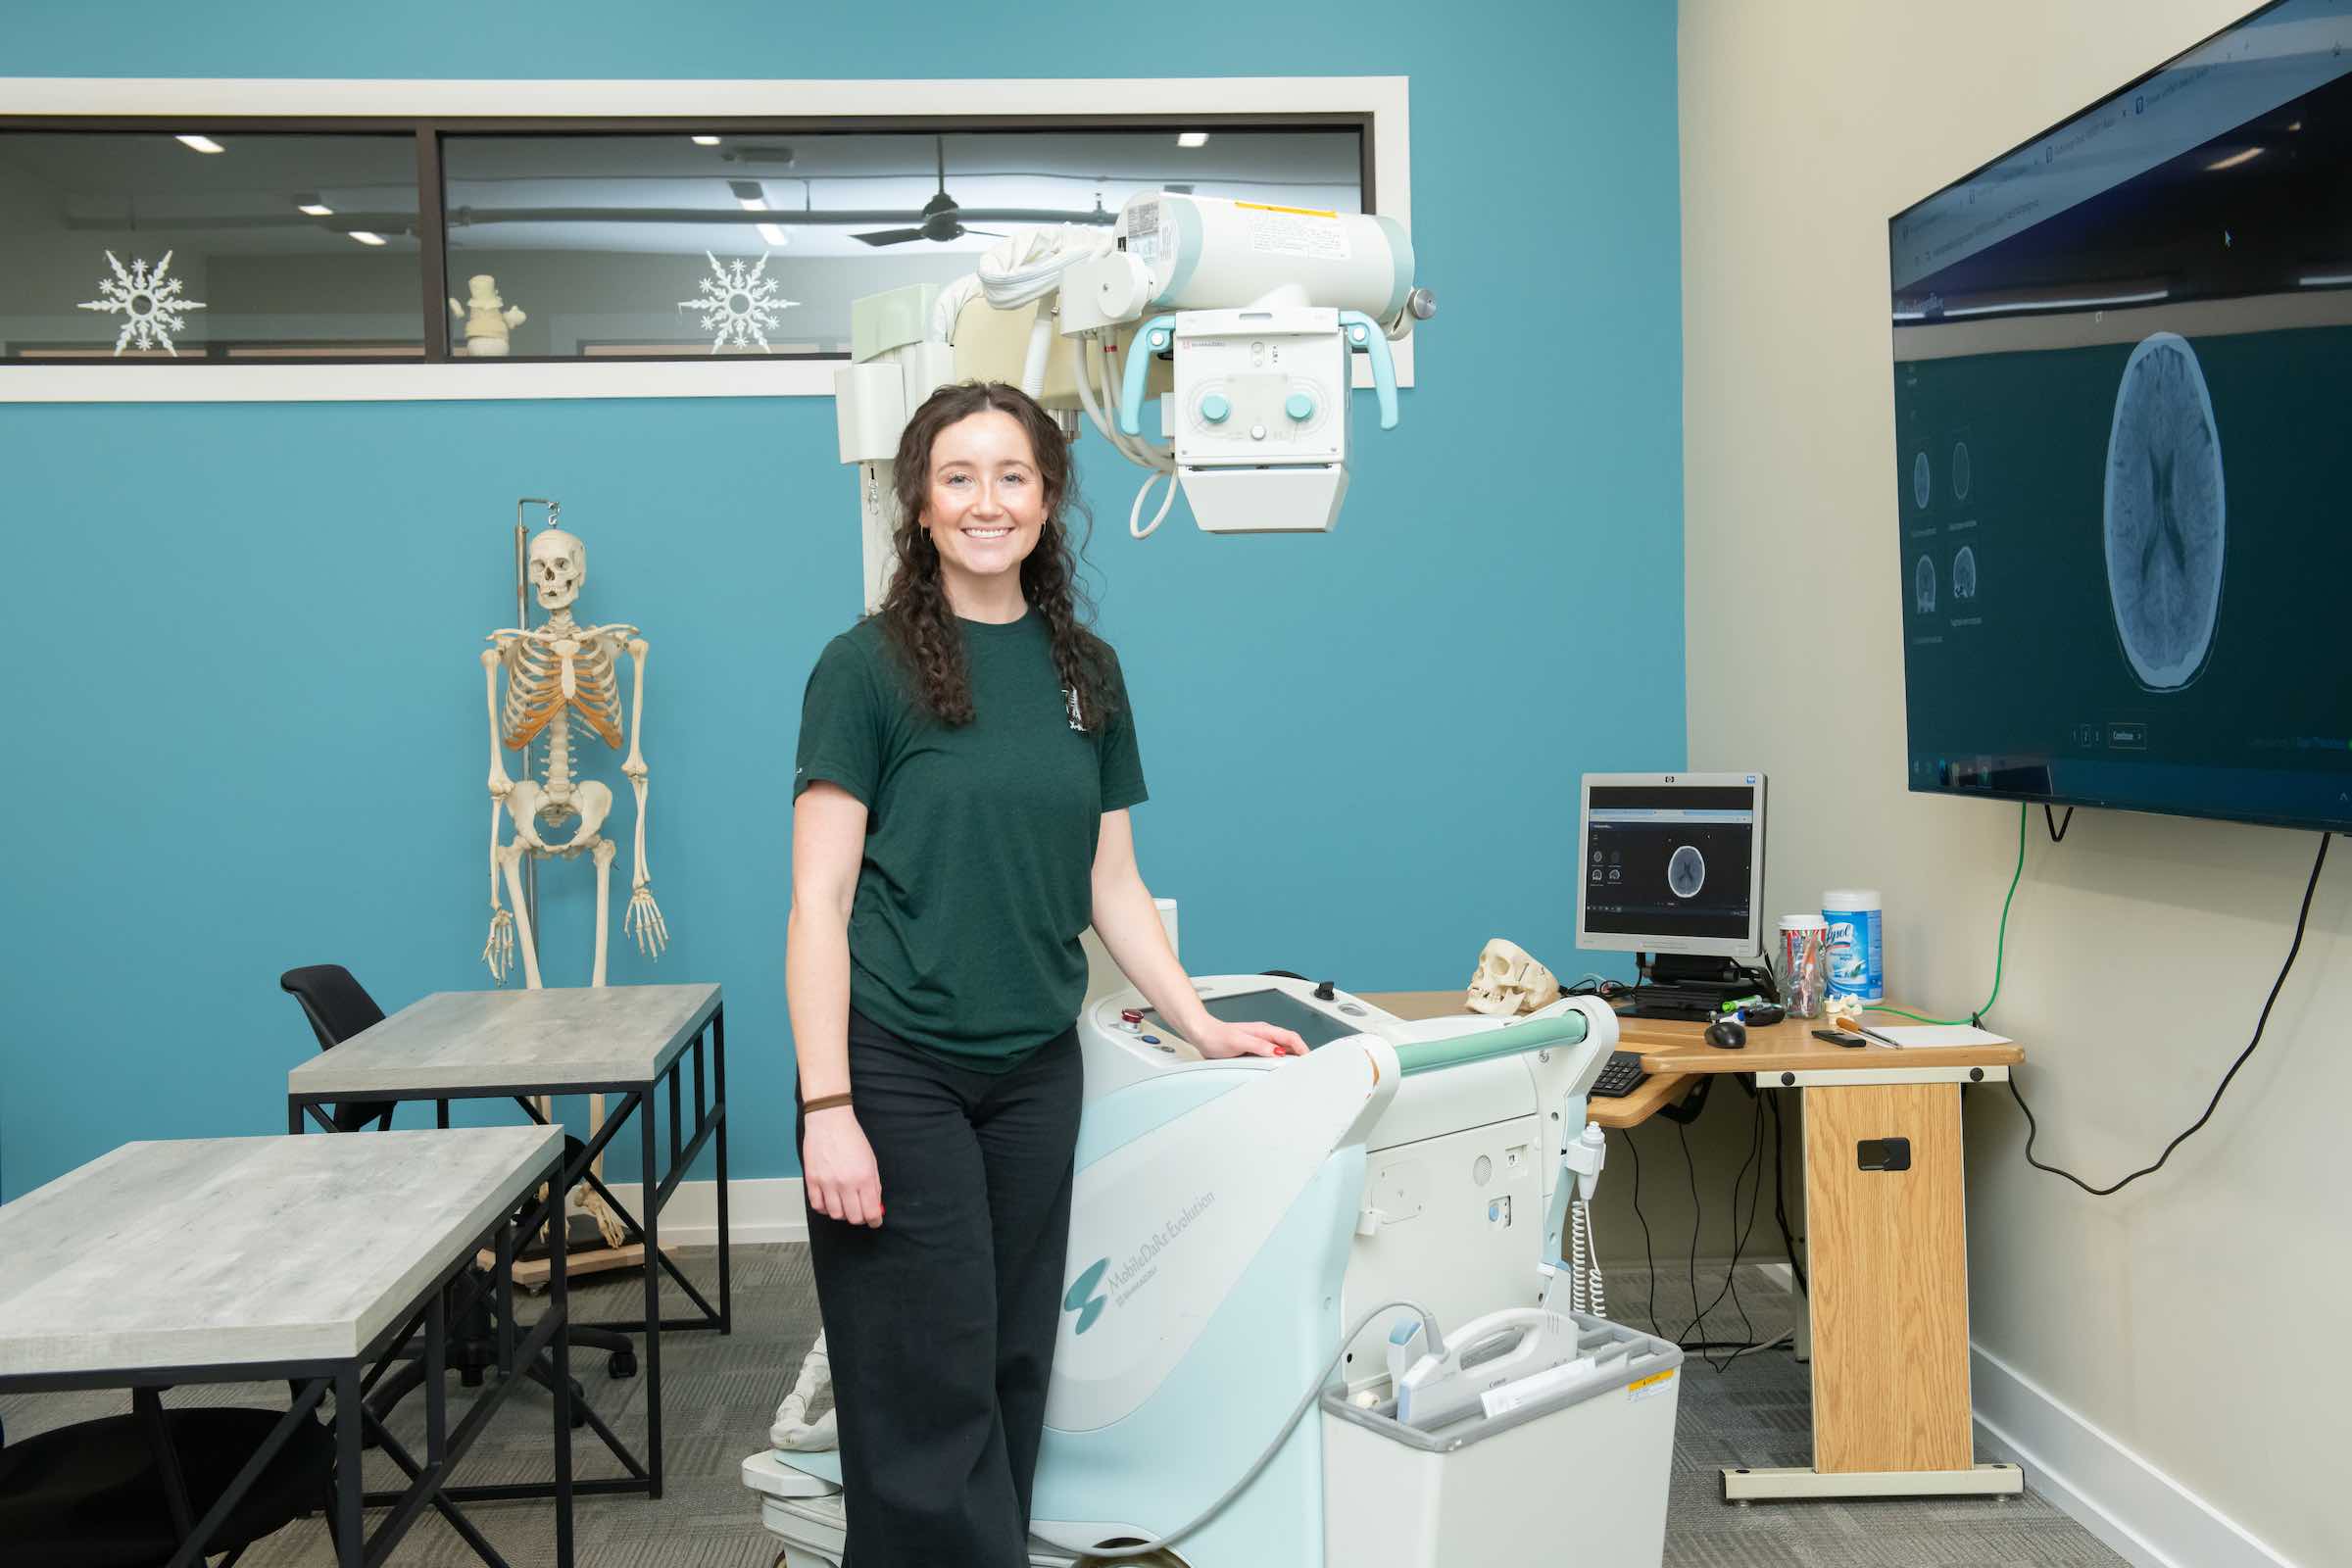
511 859
601 850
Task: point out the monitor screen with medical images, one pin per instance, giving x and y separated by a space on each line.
2120 355
1671 862
1278 1007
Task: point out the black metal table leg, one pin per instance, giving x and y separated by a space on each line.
651 1224
560 1350
726 1244
350 1533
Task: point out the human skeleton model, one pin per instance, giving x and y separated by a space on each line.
555 671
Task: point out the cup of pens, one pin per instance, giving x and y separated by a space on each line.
1804 963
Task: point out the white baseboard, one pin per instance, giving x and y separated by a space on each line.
2143 1515
770 1209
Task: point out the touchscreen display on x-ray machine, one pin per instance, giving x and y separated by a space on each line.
1670 861
1316 1027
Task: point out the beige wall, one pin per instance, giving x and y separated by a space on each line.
2195 1317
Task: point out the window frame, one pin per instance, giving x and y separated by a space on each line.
430 111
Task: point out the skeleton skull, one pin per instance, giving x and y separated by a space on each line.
558 566
1510 981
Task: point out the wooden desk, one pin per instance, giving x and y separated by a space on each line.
1887 1243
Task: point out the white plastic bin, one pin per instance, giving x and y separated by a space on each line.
1577 1478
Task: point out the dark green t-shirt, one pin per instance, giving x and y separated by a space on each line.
979 838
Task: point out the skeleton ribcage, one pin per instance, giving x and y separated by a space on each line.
535 690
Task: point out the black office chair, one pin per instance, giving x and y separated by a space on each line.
95 1495
338 1008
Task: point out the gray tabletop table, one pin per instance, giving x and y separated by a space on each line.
627 1041
232 1260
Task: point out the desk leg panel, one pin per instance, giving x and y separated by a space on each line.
1889 1280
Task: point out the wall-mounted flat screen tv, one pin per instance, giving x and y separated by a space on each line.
2123 465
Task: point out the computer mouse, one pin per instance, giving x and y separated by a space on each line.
1729 1034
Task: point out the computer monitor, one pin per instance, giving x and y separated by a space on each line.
1672 864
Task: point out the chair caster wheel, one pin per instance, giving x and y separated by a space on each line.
623 1364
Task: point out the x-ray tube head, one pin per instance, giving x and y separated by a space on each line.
2166 524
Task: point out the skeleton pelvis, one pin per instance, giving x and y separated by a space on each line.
527 803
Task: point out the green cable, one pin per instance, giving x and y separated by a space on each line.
2000 946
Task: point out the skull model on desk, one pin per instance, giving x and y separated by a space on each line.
1509 981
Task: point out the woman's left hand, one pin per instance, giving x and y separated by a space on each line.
1218 1039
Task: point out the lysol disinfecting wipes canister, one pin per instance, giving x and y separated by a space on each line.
1857 924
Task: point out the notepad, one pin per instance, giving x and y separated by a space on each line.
1939 1034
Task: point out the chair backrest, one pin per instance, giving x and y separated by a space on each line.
338 1008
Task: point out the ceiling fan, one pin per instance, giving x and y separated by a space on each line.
939 214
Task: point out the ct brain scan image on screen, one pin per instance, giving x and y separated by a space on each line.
1687 872
2120 355
2166 522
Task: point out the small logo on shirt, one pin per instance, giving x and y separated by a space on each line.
1069 696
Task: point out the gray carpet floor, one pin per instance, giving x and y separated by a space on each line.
721 1393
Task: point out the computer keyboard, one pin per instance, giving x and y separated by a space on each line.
1621 1077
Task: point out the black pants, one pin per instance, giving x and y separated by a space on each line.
941 1323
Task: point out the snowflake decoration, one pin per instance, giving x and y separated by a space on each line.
151 304
739 306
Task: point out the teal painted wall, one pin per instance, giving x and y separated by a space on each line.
246 729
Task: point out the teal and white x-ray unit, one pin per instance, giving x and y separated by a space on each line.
1241 319
1241 1235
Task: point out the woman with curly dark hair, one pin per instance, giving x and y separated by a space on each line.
965 767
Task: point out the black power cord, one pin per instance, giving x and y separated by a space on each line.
1754 1161
1780 1198
2034 1129
1634 1149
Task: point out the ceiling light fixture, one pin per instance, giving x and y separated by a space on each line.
1193 138
200 144
703 142
773 234
366 238
309 205
2234 159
